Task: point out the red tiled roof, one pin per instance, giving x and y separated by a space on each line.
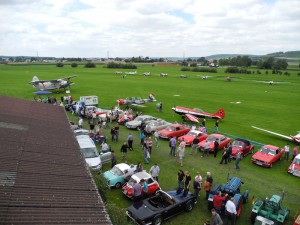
43 177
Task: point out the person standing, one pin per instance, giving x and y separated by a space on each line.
80 122
208 184
203 122
137 191
187 183
286 151
156 138
224 156
139 167
146 154
113 159
198 178
145 188
130 142
154 171
172 144
180 178
117 130
160 107
216 126
216 219
216 148
295 152
229 152
218 201
238 159
149 144
197 188
124 149
206 149
194 146
180 154
230 211
142 138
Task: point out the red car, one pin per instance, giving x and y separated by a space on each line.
130 117
190 136
294 168
267 155
174 130
223 141
153 185
243 146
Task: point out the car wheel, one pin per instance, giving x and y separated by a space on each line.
189 206
253 216
157 220
118 185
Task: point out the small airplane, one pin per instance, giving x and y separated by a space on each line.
131 73
146 74
118 72
136 101
204 77
270 82
182 76
43 85
163 74
220 114
295 138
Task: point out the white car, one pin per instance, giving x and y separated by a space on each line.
81 132
136 123
156 125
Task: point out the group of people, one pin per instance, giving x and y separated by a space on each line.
287 152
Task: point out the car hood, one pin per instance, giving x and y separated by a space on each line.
187 138
202 144
294 166
236 149
263 157
109 175
142 210
93 162
133 123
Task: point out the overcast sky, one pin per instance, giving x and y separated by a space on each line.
155 28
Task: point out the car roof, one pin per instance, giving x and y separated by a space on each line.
243 140
272 147
81 130
86 141
298 156
123 166
176 125
141 175
196 131
217 135
144 116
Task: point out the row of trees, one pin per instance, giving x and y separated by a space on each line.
272 63
241 61
121 65
200 69
87 65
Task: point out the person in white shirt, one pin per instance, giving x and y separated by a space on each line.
80 121
104 146
230 211
286 151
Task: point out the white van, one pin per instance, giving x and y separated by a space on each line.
89 151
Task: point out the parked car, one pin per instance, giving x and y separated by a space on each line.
153 185
223 141
193 134
294 168
163 206
121 120
136 123
115 176
243 146
81 132
174 130
114 113
155 125
267 155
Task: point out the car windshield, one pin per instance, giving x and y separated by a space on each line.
116 171
170 128
211 138
89 152
139 119
192 134
81 133
238 143
268 151
297 161
131 182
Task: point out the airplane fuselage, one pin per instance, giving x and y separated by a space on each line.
48 85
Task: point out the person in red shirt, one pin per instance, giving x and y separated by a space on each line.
218 201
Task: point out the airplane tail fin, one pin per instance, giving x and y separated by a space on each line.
35 78
151 96
220 113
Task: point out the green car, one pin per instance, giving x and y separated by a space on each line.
115 176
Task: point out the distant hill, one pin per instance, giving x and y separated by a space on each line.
225 56
290 54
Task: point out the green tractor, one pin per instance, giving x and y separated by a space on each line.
269 212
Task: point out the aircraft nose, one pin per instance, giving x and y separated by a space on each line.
120 101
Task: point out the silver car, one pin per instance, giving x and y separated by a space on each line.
136 123
156 125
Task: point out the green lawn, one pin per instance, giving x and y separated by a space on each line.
274 107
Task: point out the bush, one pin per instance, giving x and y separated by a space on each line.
204 69
234 69
74 65
90 65
267 72
121 65
185 69
60 64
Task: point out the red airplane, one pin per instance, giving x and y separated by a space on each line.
220 114
136 101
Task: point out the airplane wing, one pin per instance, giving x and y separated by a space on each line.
69 77
192 118
271 132
137 105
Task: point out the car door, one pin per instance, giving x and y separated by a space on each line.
105 157
152 186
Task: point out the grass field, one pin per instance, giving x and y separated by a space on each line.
274 107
